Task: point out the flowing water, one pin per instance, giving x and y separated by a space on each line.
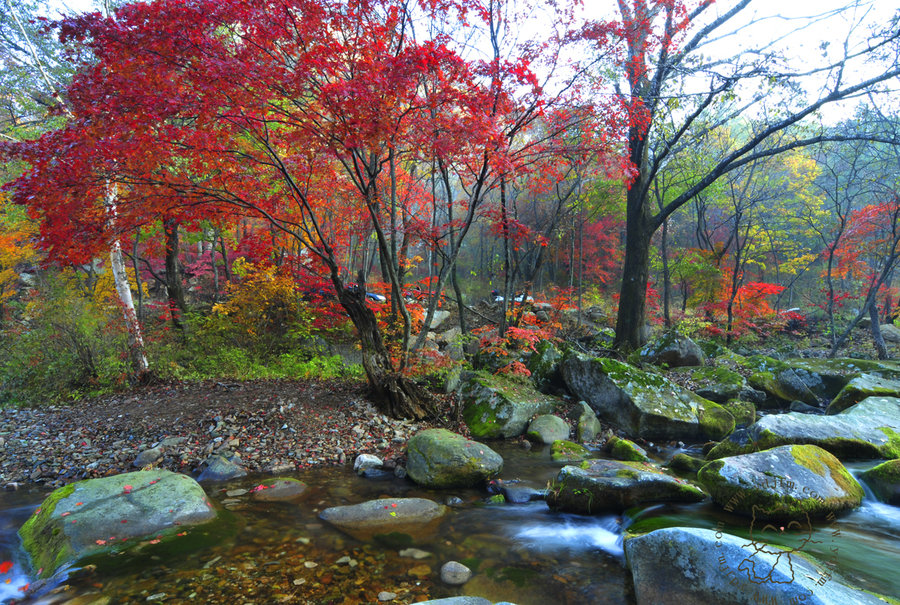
524 553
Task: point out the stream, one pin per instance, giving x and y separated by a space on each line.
281 553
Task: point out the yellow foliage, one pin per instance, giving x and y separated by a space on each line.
264 303
16 249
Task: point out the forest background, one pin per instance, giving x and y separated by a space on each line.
199 189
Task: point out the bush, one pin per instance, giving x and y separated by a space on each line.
68 340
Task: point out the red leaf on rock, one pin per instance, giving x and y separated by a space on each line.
5 566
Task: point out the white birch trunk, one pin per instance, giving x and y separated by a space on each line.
123 288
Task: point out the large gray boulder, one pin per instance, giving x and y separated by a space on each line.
718 383
834 374
890 333
438 458
644 404
111 513
783 382
861 387
495 407
612 486
673 350
548 428
869 429
398 520
588 426
786 482
544 366
692 566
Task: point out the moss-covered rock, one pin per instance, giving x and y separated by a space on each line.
717 383
643 404
836 373
568 451
544 367
624 449
673 349
547 428
884 481
744 412
588 426
787 482
610 485
438 458
869 429
861 387
95 516
685 464
496 407
783 385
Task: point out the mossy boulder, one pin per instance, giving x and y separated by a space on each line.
400 521
693 566
686 464
568 451
783 385
643 404
109 514
438 458
612 486
496 407
547 428
718 384
544 367
744 412
861 387
673 349
588 426
884 481
625 449
834 374
786 482
869 429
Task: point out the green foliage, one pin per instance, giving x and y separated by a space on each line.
67 341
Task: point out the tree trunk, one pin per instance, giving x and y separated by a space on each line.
667 278
880 347
394 394
635 275
123 289
174 287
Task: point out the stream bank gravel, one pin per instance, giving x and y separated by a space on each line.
274 426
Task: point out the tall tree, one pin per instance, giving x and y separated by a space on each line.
676 75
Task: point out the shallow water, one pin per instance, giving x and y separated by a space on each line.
524 553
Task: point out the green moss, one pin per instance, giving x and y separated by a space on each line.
779 503
567 450
892 448
686 464
885 598
629 474
43 538
509 388
889 472
472 563
623 449
517 575
744 412
715 421
809 457
718 375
